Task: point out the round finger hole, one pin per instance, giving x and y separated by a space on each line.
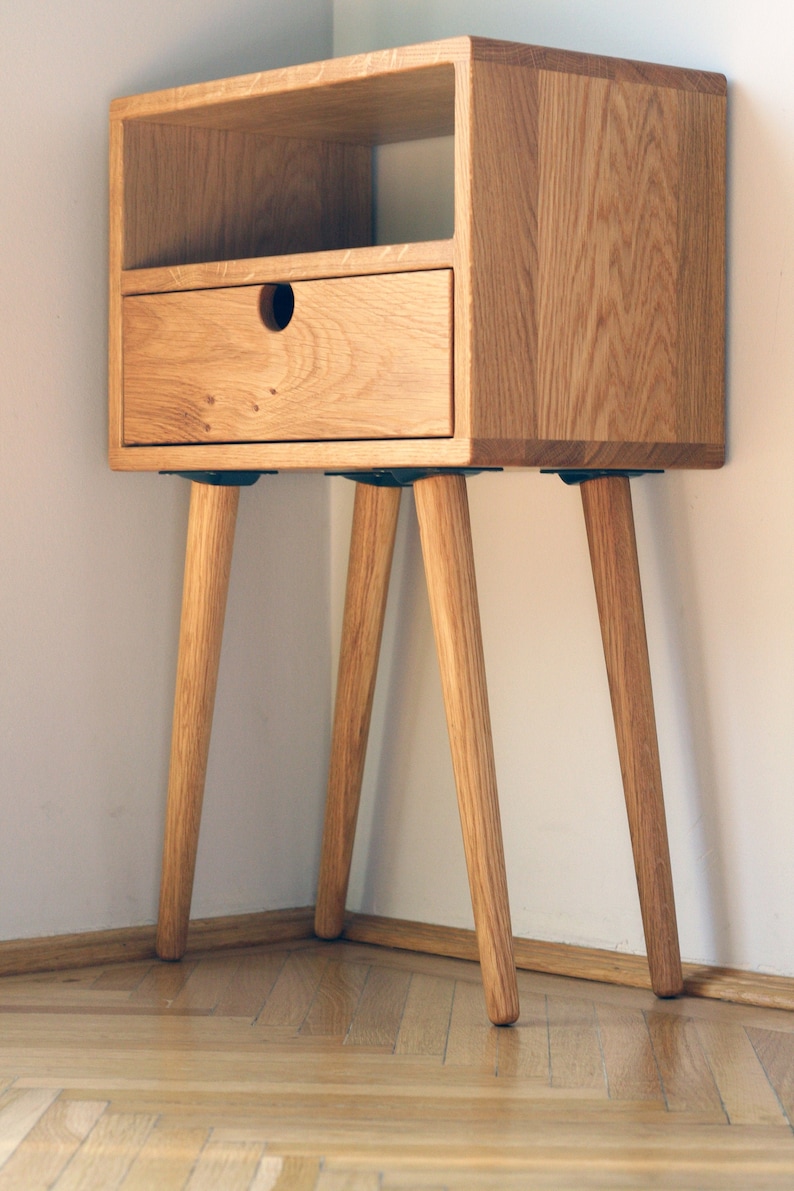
276 304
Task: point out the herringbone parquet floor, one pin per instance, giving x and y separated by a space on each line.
340 1067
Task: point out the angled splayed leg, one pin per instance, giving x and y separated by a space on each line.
613 553
443 512
371 549
213 513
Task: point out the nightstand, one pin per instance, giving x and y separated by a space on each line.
573 322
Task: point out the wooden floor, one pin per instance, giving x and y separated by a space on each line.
340 1067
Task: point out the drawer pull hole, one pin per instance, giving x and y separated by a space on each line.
276 305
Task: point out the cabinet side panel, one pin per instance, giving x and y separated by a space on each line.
573 256
503 250
642 323
701 269
612 326
116 246
199 194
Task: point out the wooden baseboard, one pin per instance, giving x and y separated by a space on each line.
581 963
24 956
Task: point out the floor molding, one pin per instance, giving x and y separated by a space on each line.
582 963
25 956
20 957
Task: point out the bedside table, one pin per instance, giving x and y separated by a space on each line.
573 322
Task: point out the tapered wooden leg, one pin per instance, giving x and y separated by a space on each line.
371 549
613 553
443 511
210 537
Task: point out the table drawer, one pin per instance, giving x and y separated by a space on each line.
358 358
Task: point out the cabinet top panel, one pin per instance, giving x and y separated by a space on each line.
374 98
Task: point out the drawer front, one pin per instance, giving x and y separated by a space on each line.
359 358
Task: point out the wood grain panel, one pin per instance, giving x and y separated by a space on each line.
501 256
573 254
700 407
355 361
642 329
343 262
195 194
116 219
391 95
596 66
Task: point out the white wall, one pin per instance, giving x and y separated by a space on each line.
91 561
718 573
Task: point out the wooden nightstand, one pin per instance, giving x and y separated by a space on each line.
574 321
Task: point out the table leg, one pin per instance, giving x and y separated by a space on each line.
371 549
210 537
613 553
443 511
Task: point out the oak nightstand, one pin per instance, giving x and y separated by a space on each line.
573 321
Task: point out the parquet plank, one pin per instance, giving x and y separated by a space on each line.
523 1050
227 1164
165 1160
207 983
472 1040
629 1061
350 1180
775 1051
377 1018
162 984
268 1173
576 1060
106 1155
745 1091
686 1076
425 1020
251 985
42 1155
296 1174
294 989
336 999
122 977
19 1112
